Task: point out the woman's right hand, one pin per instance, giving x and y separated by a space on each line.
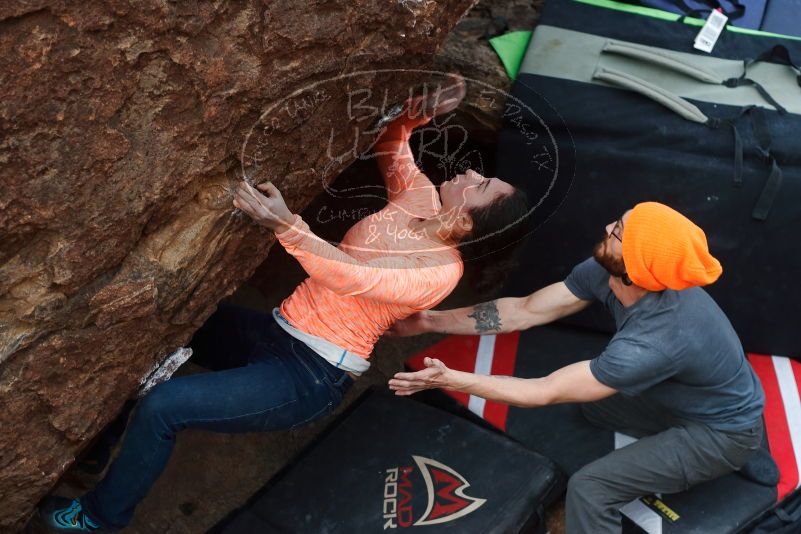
265 205
413 325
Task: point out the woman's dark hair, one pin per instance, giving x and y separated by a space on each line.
488 251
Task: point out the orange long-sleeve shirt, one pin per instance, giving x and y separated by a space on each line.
382 271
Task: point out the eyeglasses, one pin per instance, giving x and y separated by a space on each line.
618 229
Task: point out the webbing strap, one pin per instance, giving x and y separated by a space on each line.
694 14
738 157
789 512
774 181
764 141
761 131
738 141
777 54
734 14
783 516
769 192
780 54
743 81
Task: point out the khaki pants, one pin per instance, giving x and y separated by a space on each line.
672 455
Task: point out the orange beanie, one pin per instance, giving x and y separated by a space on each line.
664 249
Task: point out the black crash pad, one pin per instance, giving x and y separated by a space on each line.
561 433
391 464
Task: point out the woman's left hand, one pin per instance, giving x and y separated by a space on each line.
268 210
435 375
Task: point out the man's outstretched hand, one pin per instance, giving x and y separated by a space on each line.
268 209
435 375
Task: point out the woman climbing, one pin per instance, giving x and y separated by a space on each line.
286 369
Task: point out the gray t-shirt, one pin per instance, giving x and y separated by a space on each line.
676 348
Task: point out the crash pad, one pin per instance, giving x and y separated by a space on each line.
393 464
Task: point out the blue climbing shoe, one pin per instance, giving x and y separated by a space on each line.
60 514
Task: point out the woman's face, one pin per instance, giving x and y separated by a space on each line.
471 190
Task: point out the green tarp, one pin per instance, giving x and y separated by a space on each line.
511 47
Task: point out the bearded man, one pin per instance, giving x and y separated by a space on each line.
674 374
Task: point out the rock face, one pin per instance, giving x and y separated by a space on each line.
122 130
467 50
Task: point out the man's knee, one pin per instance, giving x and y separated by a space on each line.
585 486
576 488
591 502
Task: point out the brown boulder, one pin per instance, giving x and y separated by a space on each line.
467 50
122 131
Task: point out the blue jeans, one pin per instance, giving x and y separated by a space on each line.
264 380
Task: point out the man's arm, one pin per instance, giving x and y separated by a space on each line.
572 383
497 316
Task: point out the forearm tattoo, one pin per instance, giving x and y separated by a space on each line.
487 317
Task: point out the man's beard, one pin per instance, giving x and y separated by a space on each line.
613 266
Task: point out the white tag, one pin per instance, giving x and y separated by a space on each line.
708 36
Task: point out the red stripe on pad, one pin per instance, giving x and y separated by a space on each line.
776 426
796 365
457 352
460 352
